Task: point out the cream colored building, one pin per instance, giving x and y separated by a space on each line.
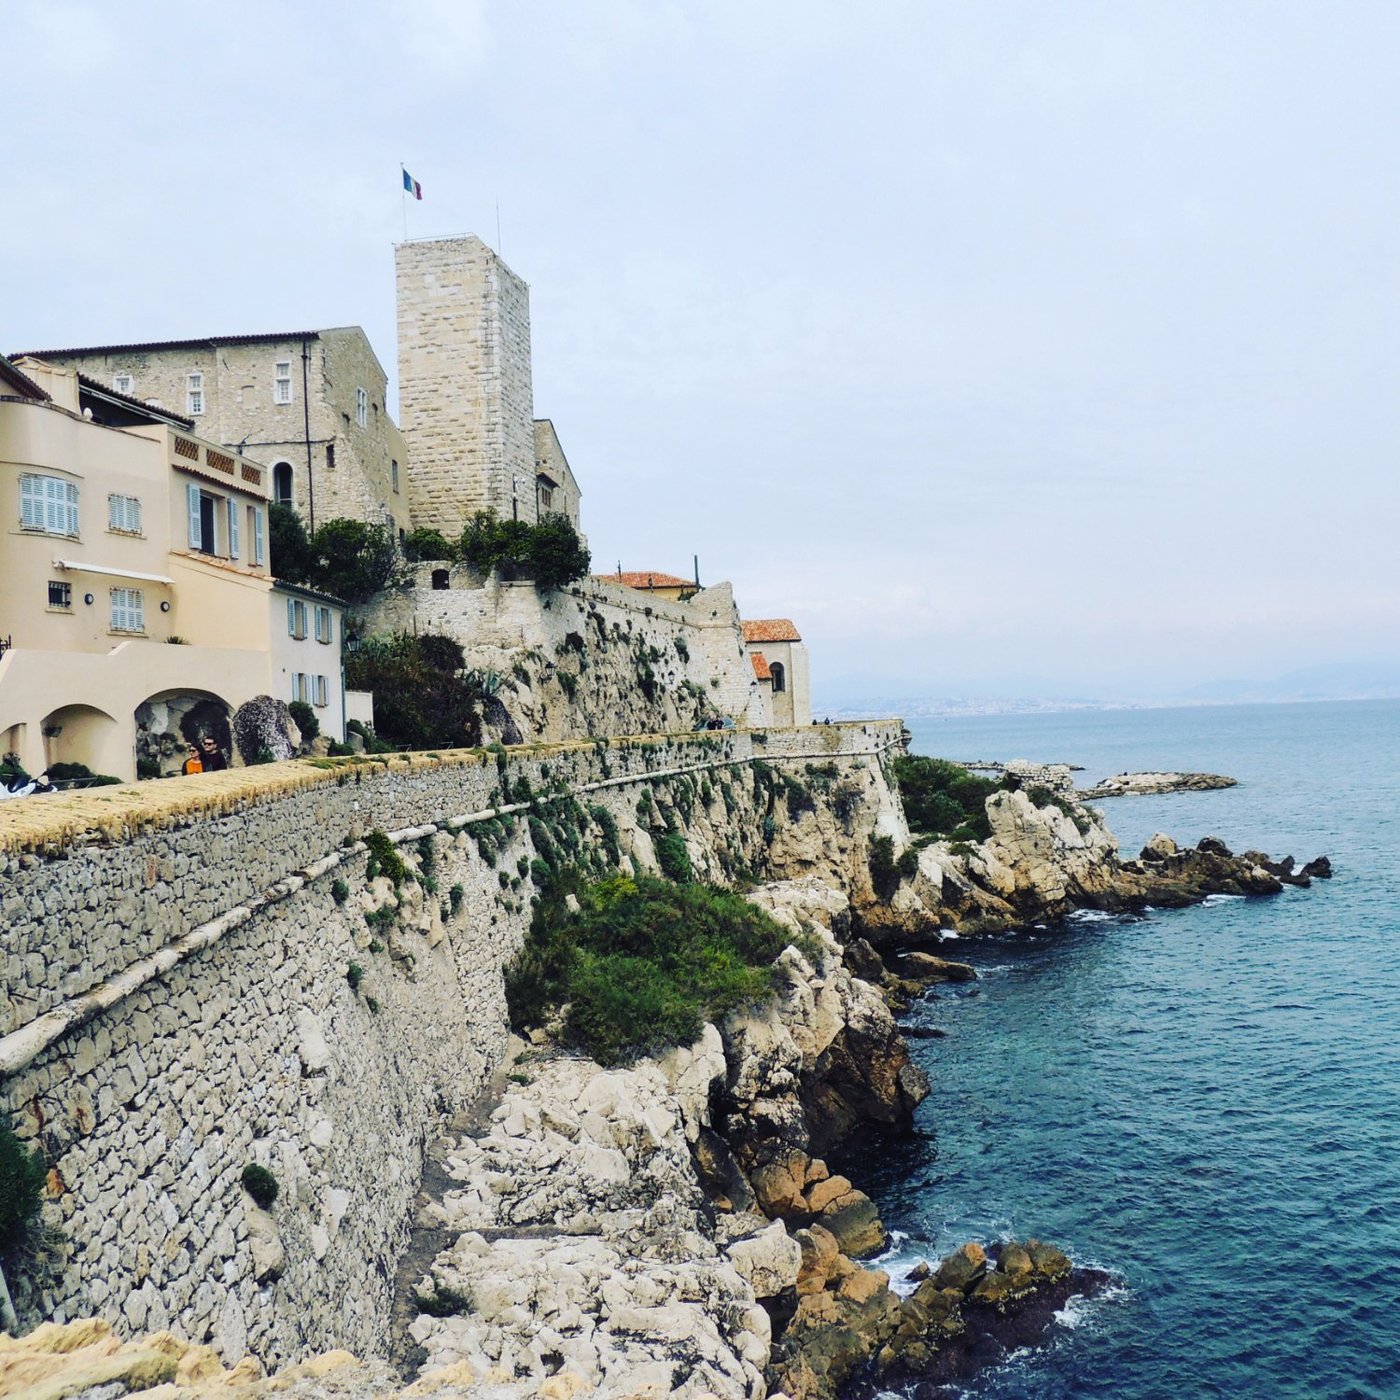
307 629
774 647
134 581
309 404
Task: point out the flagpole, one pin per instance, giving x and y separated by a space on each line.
403 196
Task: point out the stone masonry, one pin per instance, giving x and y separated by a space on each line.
180 1002
465 393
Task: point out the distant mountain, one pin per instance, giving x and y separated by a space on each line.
1341 680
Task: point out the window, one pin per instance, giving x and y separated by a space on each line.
300 688
394 474
296 618
324 626
201 519
779 677
194 394
233 509
321 695
282 382
282 483
442 579
48 503
330 456
128 613
362 407
123 383
546 498
60 594
255 521
124 514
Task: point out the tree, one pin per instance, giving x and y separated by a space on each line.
557 555
355 561
550 552
288 546
424 543
422 699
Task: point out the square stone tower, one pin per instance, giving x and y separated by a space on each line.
466 403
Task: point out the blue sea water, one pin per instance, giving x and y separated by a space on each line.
1205 1102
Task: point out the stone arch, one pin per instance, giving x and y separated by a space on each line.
81 734
441 579
168 722
282 483
779 673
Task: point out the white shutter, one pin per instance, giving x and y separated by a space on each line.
31 502
232 528
128 611
291 617
70 508
192 497
259 555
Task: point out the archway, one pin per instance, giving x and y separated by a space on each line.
83 734
779 675
282 483
167 723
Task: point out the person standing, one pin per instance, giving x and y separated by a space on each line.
211 755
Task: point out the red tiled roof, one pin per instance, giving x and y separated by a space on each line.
760 666
771 629
646 579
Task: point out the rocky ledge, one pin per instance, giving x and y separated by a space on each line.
1151 784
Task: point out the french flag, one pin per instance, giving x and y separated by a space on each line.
412 185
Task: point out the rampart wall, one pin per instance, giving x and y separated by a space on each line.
179 998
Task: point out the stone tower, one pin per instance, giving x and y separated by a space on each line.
466 405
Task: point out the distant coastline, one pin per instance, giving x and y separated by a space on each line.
971 707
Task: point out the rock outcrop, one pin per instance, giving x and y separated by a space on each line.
1151 784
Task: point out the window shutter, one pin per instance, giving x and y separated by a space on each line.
291 617
31 502
259 555
232 528
70 508
192 497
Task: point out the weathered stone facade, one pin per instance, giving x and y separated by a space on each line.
595 658
180 1002
465 391
353 466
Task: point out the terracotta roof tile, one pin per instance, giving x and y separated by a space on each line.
760 666
771 629
645 579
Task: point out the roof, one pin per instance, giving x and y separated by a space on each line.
160 415
282 585
770 629
17 379
172 344
760 666
646 579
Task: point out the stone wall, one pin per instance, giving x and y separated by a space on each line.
595 658
180 1001
465 388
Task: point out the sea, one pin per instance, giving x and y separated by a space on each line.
1203 1102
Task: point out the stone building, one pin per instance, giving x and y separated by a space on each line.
774 647
134 582
309 404
466 398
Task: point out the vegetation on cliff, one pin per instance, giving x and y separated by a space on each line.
642 963
345 558
942 798
550 552
422 697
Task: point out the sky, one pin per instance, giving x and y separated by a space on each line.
1000 345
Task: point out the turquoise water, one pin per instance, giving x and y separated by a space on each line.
1205 1102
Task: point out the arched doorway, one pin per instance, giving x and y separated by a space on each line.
282 483
169 722
83 734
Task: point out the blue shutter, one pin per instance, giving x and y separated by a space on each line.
192 498
232 528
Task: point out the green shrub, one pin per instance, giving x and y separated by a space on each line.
384 859
442 1301
422 696
885 872
22 1176
147 768
372 1003
354 975
643 964
354 560
260 1184
304 717
340 891
941 797
673 857
607 824
427 544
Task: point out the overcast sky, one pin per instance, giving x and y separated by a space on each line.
1036 340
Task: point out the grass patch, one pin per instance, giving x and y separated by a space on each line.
643 964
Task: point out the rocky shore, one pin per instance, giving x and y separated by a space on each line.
1153 784
671 1227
